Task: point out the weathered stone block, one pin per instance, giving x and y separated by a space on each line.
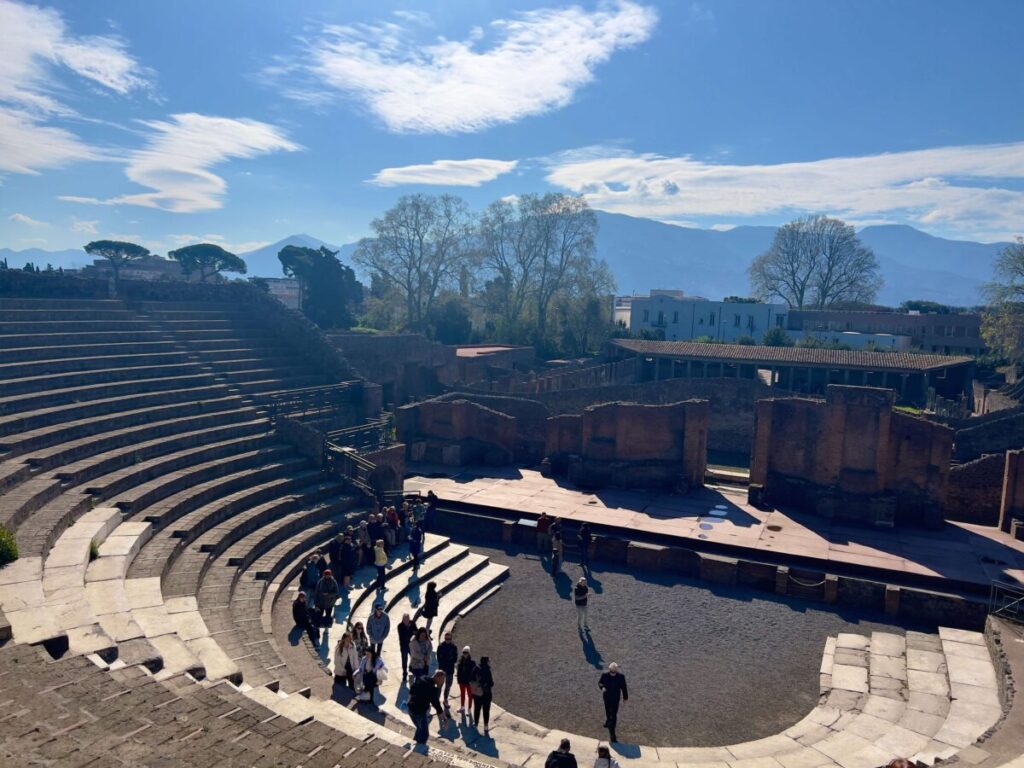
683 561
646 556
718 569
611 550
757 575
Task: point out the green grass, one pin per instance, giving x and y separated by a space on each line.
8 546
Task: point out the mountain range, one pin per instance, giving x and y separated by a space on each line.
645 254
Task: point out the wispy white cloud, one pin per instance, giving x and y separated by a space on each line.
234 246
452 173
964 191
180 152
28 221
534 63
85 227
37 53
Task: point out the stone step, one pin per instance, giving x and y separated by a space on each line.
27 421
50 396
68 364
101 352
80 338
55 434
47 326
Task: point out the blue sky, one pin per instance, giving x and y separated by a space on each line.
243 122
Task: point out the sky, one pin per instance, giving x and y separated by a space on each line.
240 123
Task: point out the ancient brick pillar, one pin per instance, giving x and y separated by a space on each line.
1012 505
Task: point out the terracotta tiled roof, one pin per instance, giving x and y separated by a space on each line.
841 358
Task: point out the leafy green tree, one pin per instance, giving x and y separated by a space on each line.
118 253
449 321
816 262
208 259
330 291
776 337
926 307
1002 324
747 341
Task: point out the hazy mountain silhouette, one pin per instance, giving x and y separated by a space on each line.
645 254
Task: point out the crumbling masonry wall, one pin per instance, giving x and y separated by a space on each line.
632 445
852 458
456 432
975 490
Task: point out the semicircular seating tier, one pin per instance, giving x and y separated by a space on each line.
161 520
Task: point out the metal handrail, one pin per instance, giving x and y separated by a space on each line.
1006 601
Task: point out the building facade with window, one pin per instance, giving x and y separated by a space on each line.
674 317
943 334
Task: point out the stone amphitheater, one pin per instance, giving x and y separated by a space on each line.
160 519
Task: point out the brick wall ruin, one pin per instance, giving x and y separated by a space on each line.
456 432
1012 507
632 445
852 458
975 490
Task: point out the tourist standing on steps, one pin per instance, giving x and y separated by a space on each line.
416 545
378 626
349 561
362 642
482 685
327 591
465 674
613 688
346 661
300 614
430 511
424 694
321 564
334 552
375 527
447 657
310 575
365 545
430 604
380 562
391 526
604 758
543 534
406 632
420 650
556 553
583 539
580 594
561 757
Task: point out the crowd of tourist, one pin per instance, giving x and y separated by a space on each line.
358 661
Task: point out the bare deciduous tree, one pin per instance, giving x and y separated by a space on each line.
421 246
1003 320
815 262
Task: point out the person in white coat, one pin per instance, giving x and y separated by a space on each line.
371 673
346 661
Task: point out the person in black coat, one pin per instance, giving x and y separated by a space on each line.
301 617
424 694
583 539
430 604
561 757
484 683
613 689
447 654
406 632
334 553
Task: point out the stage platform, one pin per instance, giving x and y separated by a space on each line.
961 555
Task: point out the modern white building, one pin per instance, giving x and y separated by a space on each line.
677 317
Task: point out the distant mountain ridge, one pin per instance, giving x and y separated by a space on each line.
645 254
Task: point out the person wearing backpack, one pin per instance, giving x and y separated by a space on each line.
481 687
424 694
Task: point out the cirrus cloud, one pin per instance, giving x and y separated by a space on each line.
28 221
962 190
176 161
537 62
452 173
37 53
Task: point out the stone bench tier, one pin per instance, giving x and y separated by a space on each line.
41 326
31 420
84 365
76 379
98 352
47 394
55 434
174 426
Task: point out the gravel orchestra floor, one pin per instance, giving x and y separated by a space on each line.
705 665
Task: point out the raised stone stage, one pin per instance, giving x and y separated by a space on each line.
961 555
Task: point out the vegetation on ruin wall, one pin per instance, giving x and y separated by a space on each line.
1002 324
8 547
